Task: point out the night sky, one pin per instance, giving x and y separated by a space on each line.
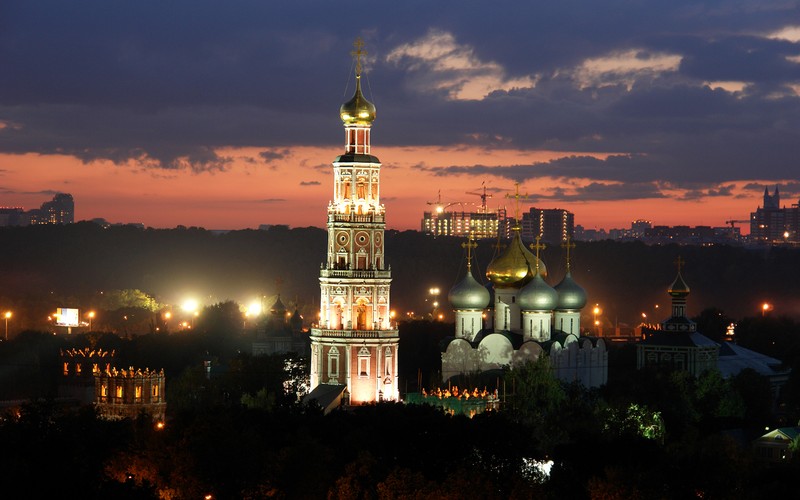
225 114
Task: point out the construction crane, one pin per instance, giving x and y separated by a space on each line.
732 222
440 205
483 196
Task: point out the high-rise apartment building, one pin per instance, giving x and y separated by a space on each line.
770 224
554 225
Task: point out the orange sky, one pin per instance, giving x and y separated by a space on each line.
295 190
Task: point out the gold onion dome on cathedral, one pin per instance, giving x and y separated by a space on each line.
514 268
358 110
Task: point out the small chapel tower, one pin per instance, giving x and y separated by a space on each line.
355 342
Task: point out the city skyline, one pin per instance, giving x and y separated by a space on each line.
678 113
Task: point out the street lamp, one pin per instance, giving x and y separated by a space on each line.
434 291
90 314
596 311
7 315
764 308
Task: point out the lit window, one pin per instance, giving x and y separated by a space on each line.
333 363
119 391
363 362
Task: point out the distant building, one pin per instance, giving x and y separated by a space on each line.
770 224
129 393
776 445
60 210
88 376
13 216
584 234
553 225
676 344
480 224
639 228
282 332
687 235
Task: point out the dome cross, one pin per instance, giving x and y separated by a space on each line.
358 53
536 247
568 245
469 245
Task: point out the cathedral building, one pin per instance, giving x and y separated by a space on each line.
520 317
354 345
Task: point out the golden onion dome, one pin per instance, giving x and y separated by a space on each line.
514 267
358 110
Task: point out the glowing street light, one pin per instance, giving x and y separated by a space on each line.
7 315
596 311
90 315
764 308
434 291
254 309
190 305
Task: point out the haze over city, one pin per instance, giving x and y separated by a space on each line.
181 113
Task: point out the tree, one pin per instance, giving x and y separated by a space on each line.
536 393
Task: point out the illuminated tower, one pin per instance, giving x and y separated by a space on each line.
355 343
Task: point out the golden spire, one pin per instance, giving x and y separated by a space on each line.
568 245
536 247
469 245
358 53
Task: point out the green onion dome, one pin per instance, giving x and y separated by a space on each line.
538 296
468 294
571 296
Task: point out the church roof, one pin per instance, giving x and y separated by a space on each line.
356 158
734 358
678 339
326 395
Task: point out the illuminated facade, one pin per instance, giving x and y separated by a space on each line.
59 210
355 344
553 225
480 225
770 224
128 393
88 376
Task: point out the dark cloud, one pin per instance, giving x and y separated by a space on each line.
310 183
167 85
785 188
272 155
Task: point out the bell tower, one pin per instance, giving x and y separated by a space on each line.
355 342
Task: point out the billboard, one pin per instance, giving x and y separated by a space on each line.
67 317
